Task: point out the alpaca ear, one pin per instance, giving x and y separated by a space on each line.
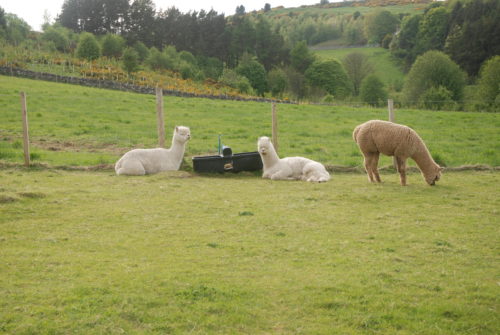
176 129
441 168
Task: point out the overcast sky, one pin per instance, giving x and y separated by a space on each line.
32 11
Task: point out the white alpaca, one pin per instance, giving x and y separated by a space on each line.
139 162
289 168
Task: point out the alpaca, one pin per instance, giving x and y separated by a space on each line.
392 139
139 162
289 168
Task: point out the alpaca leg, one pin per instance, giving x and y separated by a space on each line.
401 164
368 167
131 168
375 167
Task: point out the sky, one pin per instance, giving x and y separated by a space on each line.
33 11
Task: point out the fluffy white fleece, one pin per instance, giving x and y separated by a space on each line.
289 168
139 162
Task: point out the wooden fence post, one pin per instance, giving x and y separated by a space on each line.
390 107
26 139
159 117
275 127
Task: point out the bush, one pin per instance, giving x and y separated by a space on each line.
372 91
232 79
88 48
432 70
142 51
489 84
277 82
130 60
330 76
255 72
437 98
112 46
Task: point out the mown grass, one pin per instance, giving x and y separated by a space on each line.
74 125
380 59
176 253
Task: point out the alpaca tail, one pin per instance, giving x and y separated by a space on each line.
355 133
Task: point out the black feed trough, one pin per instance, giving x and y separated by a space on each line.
227 162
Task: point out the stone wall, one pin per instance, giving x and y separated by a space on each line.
113 85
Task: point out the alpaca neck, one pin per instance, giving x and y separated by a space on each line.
270 158
177 149
424 160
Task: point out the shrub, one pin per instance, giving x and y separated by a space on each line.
330 76
437 98
112 46
142 50
372 91
433 69
88 48
232 79
277 82
255 72
489 84
130 60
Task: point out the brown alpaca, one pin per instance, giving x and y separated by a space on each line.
392 139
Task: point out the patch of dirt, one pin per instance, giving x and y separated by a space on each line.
6 199
78 146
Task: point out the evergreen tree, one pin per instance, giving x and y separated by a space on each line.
255 72
130 60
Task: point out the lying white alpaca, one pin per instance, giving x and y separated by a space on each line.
392 139
139 162
289 168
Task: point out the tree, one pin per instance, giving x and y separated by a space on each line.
140 22
474 33
16 29
372 91
130 60
240 10
301 58
330 76
489 84
112 46
404 43
267 7
380 24
432 30
142 50
255 72
432 70
88 48
277 81
357 67
58 36
232 79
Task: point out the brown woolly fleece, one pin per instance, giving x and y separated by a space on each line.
392 139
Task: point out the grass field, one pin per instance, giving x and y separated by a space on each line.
74 125
177 253
380 59
397 9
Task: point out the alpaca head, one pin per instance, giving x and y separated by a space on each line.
434 176
182 134
264 145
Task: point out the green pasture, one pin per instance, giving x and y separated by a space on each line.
178 253
380 59
79 126
396 9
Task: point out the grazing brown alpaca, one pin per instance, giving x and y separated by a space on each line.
392 139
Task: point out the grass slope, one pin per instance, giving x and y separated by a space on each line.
395 9
379 58
74 125
175 254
